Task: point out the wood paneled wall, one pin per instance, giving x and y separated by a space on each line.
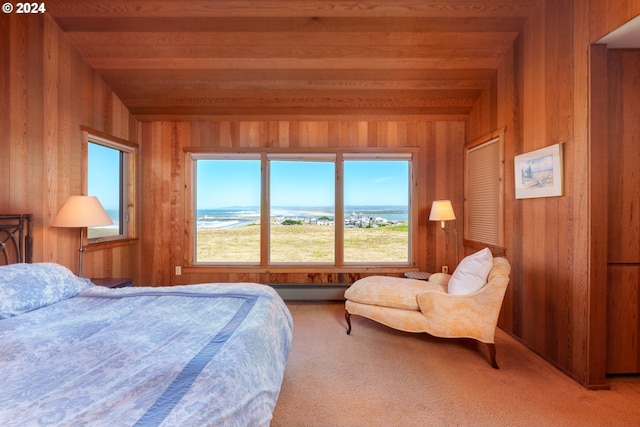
47 93
439 175
556 302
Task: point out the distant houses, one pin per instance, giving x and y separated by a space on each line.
363 221
354 220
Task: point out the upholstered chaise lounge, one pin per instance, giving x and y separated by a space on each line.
465 304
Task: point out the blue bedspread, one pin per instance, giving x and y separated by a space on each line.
198 355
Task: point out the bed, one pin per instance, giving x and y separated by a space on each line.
72 353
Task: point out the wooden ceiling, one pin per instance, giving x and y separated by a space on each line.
184 59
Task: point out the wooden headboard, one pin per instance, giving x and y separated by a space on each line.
16 241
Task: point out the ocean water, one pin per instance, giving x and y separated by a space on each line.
227 217
238 216
113 214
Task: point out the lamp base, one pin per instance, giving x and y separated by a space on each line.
81 250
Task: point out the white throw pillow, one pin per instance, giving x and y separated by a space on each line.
471 274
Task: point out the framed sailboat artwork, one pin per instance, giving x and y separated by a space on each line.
539 173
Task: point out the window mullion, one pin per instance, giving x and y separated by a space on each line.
265 208
338 218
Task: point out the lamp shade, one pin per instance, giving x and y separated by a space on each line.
441 210
81 211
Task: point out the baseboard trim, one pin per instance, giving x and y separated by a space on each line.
311 292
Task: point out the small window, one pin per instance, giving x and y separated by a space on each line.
484 191
107 163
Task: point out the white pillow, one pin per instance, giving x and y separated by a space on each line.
471 274
26 287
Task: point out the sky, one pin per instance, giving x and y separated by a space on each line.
103 172
231 183
228 183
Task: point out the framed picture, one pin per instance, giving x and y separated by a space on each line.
539 173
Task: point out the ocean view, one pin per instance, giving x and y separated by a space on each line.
106 230
239 216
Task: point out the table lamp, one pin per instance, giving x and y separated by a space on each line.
81 212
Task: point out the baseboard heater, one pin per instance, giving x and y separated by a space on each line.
293 292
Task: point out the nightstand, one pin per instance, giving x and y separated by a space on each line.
113 282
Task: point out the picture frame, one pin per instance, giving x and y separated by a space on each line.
539 173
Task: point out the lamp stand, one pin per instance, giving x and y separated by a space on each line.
81 250
454 231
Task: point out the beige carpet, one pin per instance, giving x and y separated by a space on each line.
381 377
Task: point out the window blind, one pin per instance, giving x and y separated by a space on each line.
483 193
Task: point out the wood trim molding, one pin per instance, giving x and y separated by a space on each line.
495 250
312 150
108 136
100 246
486 138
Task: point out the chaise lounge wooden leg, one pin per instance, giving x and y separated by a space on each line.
492 355
347 316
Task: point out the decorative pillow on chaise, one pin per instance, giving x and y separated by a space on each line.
471 274
26 287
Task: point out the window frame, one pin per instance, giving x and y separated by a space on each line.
194 153
267 200
193 245
395 155
127 183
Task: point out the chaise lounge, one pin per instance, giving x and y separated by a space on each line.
465 304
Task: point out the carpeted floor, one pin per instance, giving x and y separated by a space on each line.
381 377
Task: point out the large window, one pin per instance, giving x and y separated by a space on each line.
228 209
376 201
302 208
107 179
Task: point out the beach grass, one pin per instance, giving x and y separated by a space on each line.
303 243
